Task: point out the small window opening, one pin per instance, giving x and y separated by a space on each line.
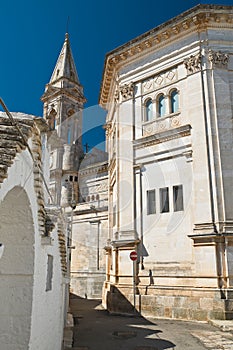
164 200
178 202
151 209
49 273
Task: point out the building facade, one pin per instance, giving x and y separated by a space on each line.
169 96
90 227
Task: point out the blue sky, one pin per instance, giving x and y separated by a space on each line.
32 34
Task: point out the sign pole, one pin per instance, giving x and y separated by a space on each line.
133 256
134 285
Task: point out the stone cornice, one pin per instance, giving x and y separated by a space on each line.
195 19
53 91
124 243
80 211
94 169
164 136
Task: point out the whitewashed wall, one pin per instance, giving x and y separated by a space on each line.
30 317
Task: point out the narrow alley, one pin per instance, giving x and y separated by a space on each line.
95 329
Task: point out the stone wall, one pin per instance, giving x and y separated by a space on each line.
186 304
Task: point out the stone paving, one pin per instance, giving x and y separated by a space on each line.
95 329
215 339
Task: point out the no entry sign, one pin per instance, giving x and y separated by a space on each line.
133 255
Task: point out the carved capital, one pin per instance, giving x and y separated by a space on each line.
218 59
193 63
117 95
107 128
126 91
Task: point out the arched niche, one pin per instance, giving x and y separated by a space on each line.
52 119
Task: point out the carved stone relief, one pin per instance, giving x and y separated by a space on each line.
126 91
157 125
108 128
175 122
218 59
159 80
193 63
117 95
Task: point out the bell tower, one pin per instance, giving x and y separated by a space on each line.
63 101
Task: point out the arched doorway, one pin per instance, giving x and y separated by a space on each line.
16 270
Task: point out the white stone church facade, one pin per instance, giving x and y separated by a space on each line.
169 97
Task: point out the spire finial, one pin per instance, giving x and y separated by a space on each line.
67 27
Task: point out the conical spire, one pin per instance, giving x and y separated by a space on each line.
65 66
64 79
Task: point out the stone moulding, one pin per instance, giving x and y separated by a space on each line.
205 228
112 165
196 19
98 168
164 136
125 243
220 229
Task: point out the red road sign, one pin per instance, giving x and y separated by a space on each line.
133 255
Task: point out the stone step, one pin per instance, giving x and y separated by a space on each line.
224 325
78 348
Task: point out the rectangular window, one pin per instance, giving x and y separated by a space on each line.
49 273
114 216
164 200
151 209
178 198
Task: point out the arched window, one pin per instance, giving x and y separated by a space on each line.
161 105
149 110
69 135
174 101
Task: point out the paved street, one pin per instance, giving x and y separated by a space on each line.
95 329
